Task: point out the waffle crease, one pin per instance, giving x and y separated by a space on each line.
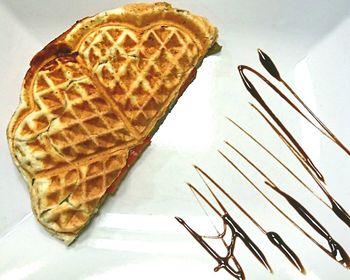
94 94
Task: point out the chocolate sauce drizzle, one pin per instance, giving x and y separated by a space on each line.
272 155
223 262
335 251
335 206
295 144
236 233
273 237
285 135
270 67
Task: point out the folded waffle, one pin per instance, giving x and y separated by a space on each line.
92 99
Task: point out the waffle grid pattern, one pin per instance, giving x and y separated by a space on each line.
140 73
76 141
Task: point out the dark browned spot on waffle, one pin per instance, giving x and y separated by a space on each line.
40 123
128 42
106 74
151 45
49 162
173 42
93 58
35 145
95 125
52 198
100 104
67 118
72 93
50 100
114 33
87 147
153 76
41 83
151 108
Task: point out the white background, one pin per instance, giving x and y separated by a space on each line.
135 234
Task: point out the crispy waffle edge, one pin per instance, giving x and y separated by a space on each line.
65 44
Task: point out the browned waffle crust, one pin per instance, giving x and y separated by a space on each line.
94 94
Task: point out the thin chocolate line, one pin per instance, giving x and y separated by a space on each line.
289 140
236 232
269 65
222 262
251 89
337 251
344 261
273 237
201 172
219 235
278 160
340 254
336 207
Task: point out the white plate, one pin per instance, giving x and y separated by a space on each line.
135 235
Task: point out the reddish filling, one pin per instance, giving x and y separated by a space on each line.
132 157
135 152
188 81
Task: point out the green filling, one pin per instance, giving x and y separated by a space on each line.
214 49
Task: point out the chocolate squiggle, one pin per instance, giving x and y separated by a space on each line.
272 236
335 250
236 232
285 135
270 67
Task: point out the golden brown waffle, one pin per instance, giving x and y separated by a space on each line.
92 97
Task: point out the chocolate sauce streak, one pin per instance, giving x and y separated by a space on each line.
288 139
302 211
236 232
251 89
242 235
335 206
223 262
273 237
270 67
272 155
336 251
